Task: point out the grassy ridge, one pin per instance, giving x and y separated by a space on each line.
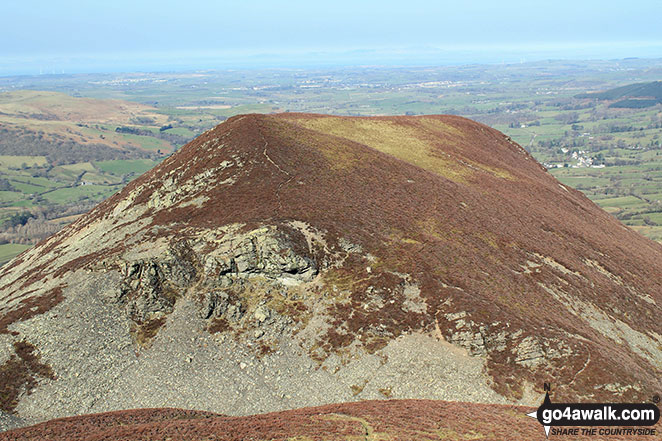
639 90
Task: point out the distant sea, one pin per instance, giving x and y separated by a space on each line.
418 56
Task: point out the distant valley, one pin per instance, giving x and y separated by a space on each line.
60 155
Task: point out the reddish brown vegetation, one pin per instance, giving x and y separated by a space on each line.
218 325
144 332
397 420
31 306
20 373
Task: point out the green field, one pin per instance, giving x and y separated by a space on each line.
25 187
9 197
79 167
126 167
620 202
11 161
70 183
81 192
10 250
182 131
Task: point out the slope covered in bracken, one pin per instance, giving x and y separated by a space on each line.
397 420
344 245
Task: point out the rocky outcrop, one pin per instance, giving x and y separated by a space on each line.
151 286
216 273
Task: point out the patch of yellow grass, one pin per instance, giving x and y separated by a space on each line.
402 142
339 153
370 434
434 228
489 238
397 236
439 127
450 434
417 144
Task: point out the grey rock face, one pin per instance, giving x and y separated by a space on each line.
213 303
264 252
151 286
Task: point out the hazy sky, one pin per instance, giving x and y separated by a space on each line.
46 30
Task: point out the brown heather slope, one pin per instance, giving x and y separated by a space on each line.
355 241
397 420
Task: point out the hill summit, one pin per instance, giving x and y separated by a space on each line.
291 260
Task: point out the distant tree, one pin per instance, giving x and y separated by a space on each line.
5 185
143 120
19 219
567 117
